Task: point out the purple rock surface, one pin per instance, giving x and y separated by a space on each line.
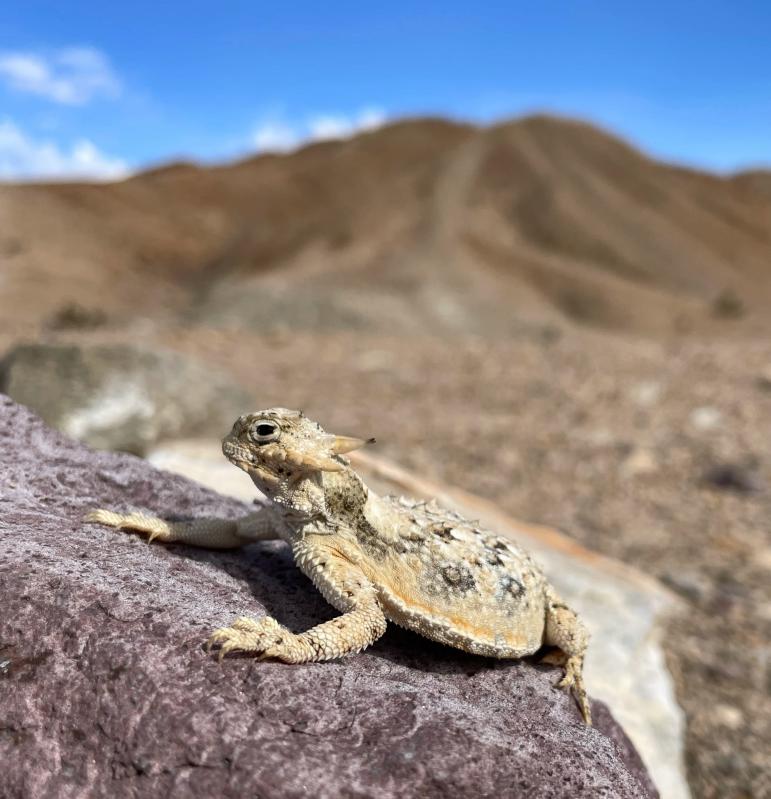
106 691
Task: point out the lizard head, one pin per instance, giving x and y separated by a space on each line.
278 447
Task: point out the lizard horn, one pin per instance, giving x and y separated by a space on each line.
343 444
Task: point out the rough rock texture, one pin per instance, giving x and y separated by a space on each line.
117 396
105 688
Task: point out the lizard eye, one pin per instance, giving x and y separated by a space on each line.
263 431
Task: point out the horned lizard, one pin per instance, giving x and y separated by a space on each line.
373 558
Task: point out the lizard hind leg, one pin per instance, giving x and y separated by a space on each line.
565 630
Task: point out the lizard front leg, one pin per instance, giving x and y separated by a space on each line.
211 533
361 624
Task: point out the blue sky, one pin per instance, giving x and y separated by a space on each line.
101 88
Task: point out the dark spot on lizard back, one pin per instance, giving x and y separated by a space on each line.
459 577
492 557
511 586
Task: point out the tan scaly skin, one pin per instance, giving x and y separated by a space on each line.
375 559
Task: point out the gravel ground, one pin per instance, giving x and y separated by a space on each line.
657 454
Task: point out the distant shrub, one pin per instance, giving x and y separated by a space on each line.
728 305
74 316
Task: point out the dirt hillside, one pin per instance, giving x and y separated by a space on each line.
421 226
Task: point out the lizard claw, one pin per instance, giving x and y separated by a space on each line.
246 624
217 637
102 516
566 682
226 647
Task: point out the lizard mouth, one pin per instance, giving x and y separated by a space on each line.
237 454
240 456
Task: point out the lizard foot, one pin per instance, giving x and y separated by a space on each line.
140 522
573 681
262 637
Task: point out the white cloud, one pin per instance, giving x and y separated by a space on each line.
274 134
24 158
334 126
73 76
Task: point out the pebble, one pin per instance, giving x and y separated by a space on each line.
728 716
646 393
705 417
640 461
732 477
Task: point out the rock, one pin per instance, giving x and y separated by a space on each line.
106 690
646 393
705 418
639 462
728 716
121 397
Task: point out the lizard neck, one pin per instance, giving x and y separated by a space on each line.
357 514
335 498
